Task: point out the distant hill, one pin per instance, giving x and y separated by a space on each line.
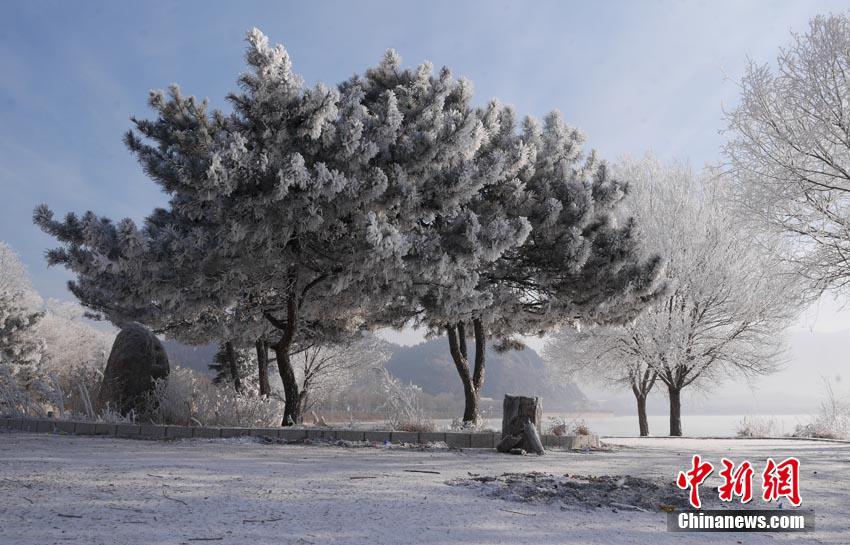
197 358
429 365
797 388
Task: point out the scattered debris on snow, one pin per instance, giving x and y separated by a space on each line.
625 493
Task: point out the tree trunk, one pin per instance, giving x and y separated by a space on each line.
675 411
643 423
470 394
480 347
263 367
461 339
291 408
291 412
234 368
303 399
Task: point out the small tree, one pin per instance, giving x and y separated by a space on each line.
20 312
230 366
789 150
603 355
326 370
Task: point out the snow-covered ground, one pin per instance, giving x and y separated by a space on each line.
89 490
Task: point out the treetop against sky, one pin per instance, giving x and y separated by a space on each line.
633 76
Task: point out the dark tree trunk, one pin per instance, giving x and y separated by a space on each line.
303 399
291 412
282 349
470 394
643 423
480 355
461 339
675 410
234 368
263 367
641 386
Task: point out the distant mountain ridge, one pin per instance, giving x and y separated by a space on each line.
429 365
520 372
196 358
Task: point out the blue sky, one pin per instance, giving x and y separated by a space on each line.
634 75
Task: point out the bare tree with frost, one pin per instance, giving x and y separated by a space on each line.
69 340
601 355
789 150
728 300
325 370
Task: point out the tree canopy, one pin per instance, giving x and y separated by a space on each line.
307 213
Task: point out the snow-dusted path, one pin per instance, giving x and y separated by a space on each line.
61 489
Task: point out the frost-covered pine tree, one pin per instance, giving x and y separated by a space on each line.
293 210
536 244
442 287
21 348
582 261
336 201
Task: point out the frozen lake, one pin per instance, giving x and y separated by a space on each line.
696 425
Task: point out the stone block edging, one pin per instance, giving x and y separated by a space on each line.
476 440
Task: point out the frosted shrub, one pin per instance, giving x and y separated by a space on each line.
477 425
15 400
757 427
581 428
833 420
189 398
560 425
401 407
75 391
69 395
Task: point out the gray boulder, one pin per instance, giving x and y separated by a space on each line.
136 360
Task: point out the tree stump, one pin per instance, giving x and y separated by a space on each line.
521 418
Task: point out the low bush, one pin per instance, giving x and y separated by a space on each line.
401 408
833 420
757 427
188 398
566 426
